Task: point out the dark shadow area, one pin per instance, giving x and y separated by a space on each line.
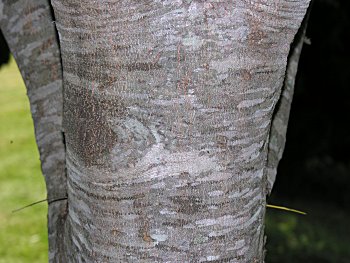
4 50
316 162
314 174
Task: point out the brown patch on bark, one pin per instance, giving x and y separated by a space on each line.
189 205
142 66
87 130
221 141
115 232
144 230
255 20
246 75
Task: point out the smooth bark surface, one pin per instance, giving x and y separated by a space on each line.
30 33
167 113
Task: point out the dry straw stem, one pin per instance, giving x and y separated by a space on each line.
64 198
286 209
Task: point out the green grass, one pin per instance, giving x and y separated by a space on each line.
23 235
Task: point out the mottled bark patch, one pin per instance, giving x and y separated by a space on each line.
189 205
86 116
142 66
134 138
177 222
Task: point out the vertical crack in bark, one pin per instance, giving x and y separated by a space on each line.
30 32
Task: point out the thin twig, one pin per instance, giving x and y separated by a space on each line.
38 202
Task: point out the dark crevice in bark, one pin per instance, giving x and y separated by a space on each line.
52 12
65 146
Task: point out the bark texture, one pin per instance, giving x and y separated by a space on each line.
30 33
278 132
167 111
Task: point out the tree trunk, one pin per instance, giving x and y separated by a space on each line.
30 33
168 107
167 113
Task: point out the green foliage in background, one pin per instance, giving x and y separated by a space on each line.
322 236
23 235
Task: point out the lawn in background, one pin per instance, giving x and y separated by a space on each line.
23 235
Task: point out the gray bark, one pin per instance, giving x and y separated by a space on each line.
167 113
30 33
278 131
